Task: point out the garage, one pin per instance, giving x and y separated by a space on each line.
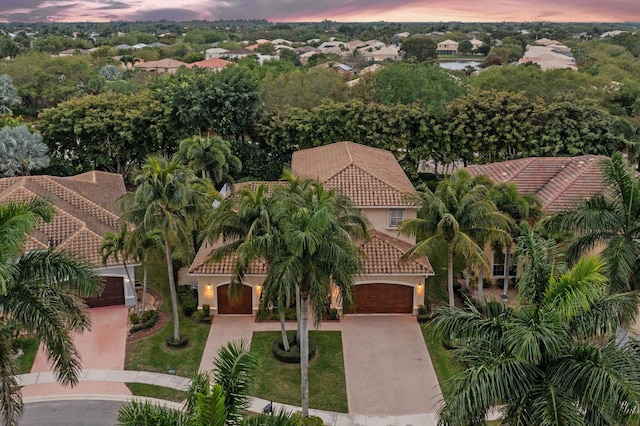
112 294
383 299
245 306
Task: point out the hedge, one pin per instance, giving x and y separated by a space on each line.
293 356
150 322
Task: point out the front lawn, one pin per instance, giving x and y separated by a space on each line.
443 362
29 346
160 392
280 382
151 353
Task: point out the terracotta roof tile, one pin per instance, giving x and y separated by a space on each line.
369 176
559 182
84 207
382 256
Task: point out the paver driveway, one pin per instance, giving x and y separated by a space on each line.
102 348
387 366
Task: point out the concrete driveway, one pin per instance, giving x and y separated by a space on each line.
102 348
388 368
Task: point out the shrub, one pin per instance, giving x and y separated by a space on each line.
293 356
134 318
188 300
206 310
152 319
424 318
180 343
333 314
298 420
197 315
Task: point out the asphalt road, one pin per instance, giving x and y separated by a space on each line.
71 413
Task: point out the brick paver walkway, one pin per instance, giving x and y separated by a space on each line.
387 366
101 348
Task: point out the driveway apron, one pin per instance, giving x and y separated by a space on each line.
388 368
101 348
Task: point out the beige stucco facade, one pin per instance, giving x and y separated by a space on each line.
379 218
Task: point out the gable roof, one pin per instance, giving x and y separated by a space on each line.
382 256
210 63
369 176
84 205
559 182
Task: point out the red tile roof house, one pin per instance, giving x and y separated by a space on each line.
559 182
375 182
85 209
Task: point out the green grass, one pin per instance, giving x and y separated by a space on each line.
280 382
160 392
436 286
151 353
443 362
30 347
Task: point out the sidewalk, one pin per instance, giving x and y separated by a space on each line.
182 383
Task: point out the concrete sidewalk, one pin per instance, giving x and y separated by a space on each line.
182 383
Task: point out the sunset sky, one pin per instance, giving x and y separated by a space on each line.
316 10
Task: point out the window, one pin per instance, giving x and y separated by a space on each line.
395 217
498 265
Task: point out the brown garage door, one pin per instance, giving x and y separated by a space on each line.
112 294
383 299
226 307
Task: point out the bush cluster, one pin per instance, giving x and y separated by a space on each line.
298 420
424 313
293 356
148 320
188 299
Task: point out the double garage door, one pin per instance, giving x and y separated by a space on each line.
112 294
383 299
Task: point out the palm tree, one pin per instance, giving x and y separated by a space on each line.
550 361
519 207
612 220
115 245
9 96
211 404
21 151
211 156
167 197
458 210
317 250
142 244
40 294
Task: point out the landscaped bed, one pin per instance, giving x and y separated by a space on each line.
278 381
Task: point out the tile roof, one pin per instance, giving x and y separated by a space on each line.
84 205
382 256
210 63
369 176
559 182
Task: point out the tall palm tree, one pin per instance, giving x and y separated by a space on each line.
167 197
210 404
211 156
115 245
549 361
317 250
40 294
610 219
457 210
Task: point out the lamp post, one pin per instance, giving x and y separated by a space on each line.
505 299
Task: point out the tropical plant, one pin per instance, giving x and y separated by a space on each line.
141 244
21 151
111 72
610 219
40 294
518 207
9 96
167 198
457 211
550 361
209 404
306 235
115 245
211 156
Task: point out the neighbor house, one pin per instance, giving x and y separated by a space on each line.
162 66
447 47
213 64
560 183
85 208
377 185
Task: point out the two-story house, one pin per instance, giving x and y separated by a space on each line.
376 184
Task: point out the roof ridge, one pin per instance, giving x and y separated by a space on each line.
572 160
379 178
